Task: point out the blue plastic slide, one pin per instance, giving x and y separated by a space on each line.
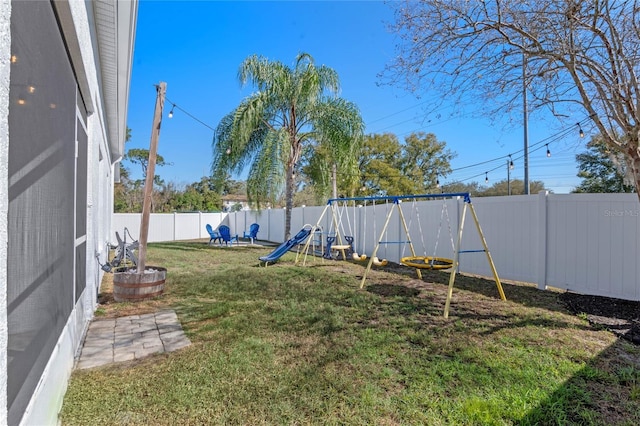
287 245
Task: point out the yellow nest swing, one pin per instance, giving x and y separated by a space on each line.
428 262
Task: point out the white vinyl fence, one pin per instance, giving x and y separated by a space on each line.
586 243
190 226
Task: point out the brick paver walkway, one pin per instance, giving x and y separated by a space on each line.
132 337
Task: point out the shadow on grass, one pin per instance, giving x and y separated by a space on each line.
606 391
199 246
392 290
191 246
526 295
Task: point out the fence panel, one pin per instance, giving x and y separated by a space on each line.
187 226
276 225
587 243
120 221
168 226
592 244
510 227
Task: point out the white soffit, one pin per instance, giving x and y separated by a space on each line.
115 29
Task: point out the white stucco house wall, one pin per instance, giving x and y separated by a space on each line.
65 70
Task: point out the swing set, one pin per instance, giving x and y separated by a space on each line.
341 239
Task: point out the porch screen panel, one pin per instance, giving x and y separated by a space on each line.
81 269
81 207
81 183
42 138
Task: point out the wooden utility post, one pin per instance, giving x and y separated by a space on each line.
148 184
334 179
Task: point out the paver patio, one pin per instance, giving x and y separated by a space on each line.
132 337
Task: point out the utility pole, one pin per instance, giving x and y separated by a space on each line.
509 167
334 179
148 184
526 124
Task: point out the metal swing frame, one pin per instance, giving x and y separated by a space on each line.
433 261
456 261
396 202
339 242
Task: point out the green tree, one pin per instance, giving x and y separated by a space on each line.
234 187
121 191
188 200
601 169
141 156
390 168
210 198
472 188
309 195
269 130
497 189
501 188
380 171
327 173
570 55
425 160
128 192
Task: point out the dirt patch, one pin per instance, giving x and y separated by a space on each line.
392 290
621 317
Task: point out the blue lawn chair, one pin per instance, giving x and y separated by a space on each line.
215 236
253 232
225 235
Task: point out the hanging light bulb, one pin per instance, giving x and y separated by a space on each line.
548 152
228 151
580 130
511 166
437 183
486 177
171 112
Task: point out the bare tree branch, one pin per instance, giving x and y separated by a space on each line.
580 56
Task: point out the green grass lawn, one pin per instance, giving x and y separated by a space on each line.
304 345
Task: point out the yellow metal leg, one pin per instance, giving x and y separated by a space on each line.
406 232
375 250
456 260
486 250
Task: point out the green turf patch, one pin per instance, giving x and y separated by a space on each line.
289 344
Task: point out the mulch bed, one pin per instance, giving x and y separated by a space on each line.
621 317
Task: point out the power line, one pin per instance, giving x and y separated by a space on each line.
550 139
396 113
538 145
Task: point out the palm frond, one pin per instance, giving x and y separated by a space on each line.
266 178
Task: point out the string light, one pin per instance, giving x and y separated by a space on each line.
553 138
540 144
188 114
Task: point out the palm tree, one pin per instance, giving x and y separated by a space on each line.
292 108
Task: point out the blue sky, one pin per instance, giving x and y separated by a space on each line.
196 47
